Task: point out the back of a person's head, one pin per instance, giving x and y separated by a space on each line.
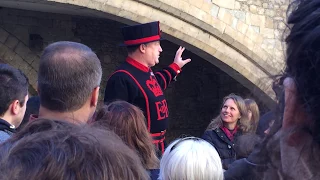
264 123
190 158
128 122
68 73
292 144
303 57
13 86
47 149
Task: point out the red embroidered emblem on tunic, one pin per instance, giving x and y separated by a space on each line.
162 109
153 85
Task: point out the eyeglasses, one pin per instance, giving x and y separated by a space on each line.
184 139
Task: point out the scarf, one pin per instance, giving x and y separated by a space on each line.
230 133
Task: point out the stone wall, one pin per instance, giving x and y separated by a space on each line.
265 17
193 100
244 44
255 24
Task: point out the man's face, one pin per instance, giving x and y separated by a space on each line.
21 112
152 53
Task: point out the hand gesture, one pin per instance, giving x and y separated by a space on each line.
178 59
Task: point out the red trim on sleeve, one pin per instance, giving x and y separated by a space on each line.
138 65
162 147
161 142
165 82
175 67
142 40
144 94
169 74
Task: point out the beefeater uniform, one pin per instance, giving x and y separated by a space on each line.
140 86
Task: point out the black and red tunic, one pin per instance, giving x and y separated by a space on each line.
138 85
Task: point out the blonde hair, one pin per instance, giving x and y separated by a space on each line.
190 158
243 122
253 107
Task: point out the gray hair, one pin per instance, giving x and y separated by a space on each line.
67 75
190 158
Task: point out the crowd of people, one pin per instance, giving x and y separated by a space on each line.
62 134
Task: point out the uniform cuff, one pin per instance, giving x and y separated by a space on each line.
175 67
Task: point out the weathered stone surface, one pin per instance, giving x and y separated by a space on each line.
22 50
254 19
252 34
270 12
35 64
215 10
11 42
234 23
260 11
218 24
281 25
225 16
239 15
9 56
253 8
242 27
229 4
265 5
237 5
244 8
267 32
269 23
3 50
3 35
284 8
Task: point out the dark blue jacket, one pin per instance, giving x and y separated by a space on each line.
223 145
6 130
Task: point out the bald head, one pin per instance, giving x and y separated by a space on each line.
68 73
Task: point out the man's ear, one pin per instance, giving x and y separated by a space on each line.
95 96
142 48
15 107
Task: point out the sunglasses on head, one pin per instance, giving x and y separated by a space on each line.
184 139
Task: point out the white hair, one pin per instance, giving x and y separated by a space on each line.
190 158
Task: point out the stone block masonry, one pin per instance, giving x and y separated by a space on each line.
193 100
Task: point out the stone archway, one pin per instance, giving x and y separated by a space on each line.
198 26
14 52
192 100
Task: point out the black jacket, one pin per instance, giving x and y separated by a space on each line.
223 145
138 85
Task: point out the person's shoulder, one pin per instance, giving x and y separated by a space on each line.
154 173
4 135
213 132
120 74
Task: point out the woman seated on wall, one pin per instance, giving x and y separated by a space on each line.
128 122
224 129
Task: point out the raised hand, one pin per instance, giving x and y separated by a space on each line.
178 59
